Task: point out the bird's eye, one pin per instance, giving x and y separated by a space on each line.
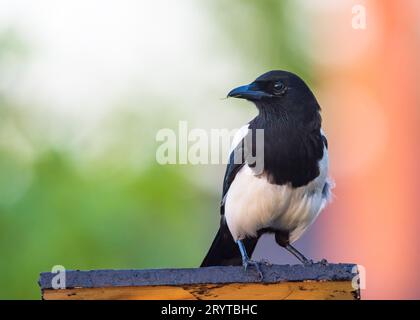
279 88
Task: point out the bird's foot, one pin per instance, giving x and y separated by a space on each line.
256 264
308 262
323 262
305 261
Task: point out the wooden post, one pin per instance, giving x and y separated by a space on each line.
318 281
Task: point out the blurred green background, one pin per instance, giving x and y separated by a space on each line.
81 188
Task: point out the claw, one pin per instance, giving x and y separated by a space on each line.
305 261
246 261
308 262
256 264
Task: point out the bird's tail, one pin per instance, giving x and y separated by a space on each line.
224 250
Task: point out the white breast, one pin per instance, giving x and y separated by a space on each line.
252 203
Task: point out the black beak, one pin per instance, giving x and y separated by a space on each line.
249 92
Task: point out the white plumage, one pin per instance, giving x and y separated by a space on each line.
252 203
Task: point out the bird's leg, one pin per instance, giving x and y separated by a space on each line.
246 261
298 255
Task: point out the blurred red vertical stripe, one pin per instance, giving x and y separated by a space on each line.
375 217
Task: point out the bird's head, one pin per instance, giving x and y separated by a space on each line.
280 93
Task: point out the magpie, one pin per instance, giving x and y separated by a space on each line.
292 188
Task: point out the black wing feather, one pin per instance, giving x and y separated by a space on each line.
232 169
